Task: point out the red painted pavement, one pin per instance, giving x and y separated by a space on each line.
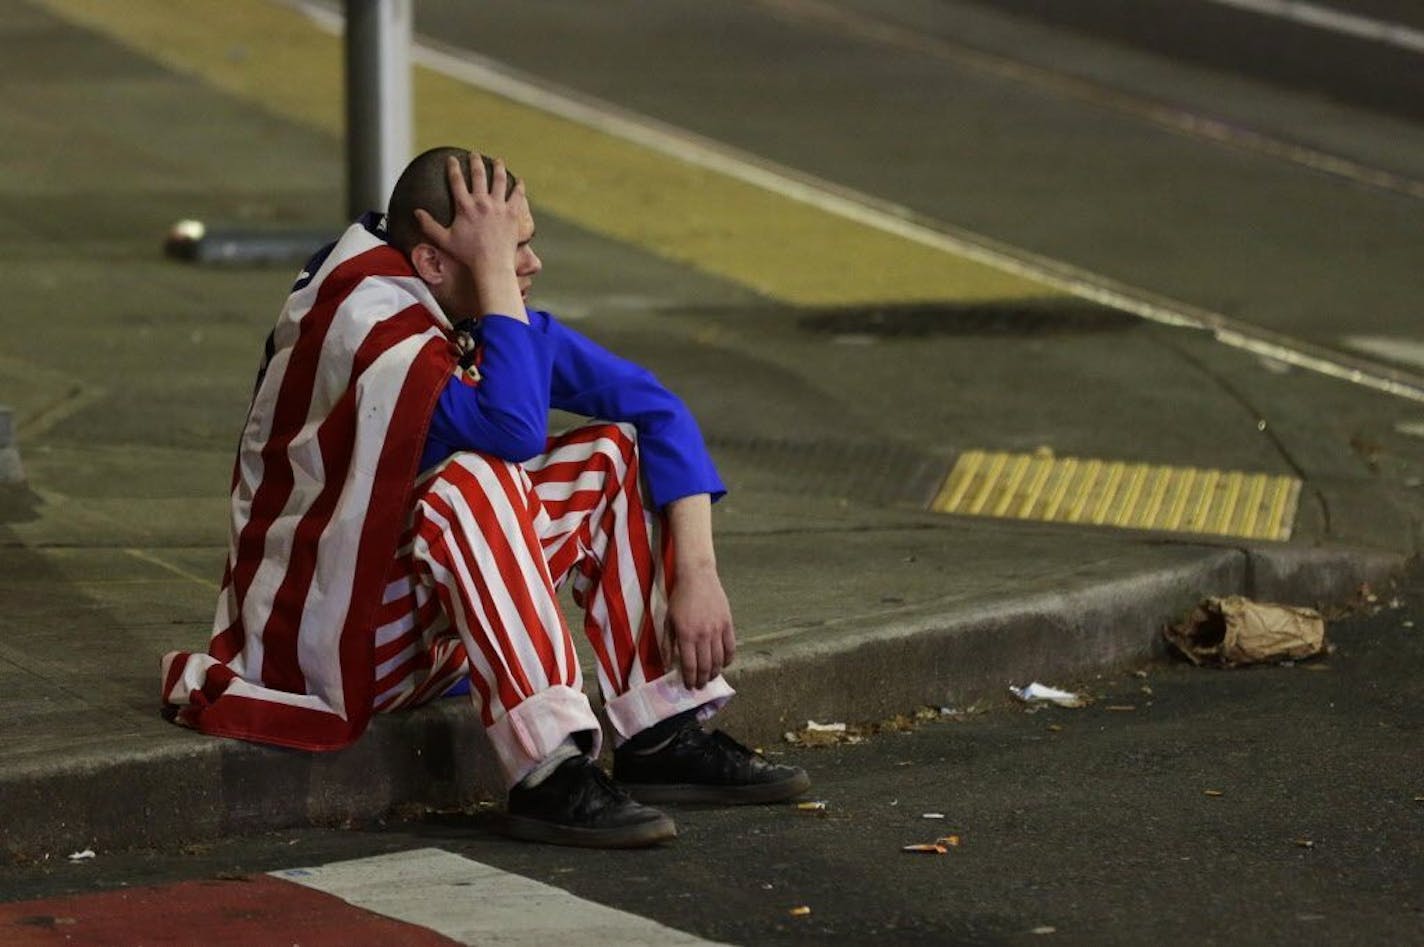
259 910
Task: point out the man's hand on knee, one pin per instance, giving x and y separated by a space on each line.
702 626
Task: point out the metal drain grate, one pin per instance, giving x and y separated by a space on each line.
1120 494
879 473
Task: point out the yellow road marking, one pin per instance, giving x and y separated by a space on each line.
1020 466
1186 478
1287 492
1060 491
1110 493
991 475
1134 488
1198 519
1154 501
780 247
957 484
1085 489
1228 503
1036 485
1253 502
1100 511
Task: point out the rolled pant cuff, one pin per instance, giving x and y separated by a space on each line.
538 725
658 700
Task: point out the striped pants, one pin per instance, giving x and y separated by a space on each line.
473 592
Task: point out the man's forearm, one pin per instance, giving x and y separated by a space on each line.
690 522
698 612
498 288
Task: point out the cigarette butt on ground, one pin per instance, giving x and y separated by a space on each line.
926 848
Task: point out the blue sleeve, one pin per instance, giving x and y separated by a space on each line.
507 414
590 380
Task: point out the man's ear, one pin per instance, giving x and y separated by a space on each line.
429 264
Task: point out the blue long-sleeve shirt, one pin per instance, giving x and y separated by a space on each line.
527 369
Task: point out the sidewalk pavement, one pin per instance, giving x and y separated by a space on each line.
128 376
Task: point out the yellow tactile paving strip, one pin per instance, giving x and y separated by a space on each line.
780 247
1116 493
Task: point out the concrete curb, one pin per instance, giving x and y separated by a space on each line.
186 787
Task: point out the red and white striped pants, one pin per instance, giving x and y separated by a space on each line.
473 590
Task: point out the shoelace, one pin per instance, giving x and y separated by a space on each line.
732 744
600 787
729 756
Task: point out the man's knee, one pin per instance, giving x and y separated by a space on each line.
479 463
477 480
614 438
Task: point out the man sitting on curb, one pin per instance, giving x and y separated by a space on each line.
401 522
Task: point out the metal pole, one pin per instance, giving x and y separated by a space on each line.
378 100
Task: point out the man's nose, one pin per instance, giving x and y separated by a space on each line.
530 264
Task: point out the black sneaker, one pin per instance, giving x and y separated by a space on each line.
697 766
577 804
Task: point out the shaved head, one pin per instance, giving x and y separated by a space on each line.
423 185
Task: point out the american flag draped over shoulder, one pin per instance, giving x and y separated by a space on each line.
320 491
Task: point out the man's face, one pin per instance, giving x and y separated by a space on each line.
458 295
526 262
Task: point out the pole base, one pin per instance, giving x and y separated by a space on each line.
192 241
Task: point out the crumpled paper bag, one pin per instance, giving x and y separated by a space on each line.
1232 631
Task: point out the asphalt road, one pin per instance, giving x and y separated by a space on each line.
1325 56
1087 153
1264 806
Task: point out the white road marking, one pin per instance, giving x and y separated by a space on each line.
1411 428
1335 21
888 217
475 903
145 556
1392 348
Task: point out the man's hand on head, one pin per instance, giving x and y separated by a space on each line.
485 232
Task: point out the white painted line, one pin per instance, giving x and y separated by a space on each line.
1334 21
1411 428
870 211
1391 348
143 555
475 903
